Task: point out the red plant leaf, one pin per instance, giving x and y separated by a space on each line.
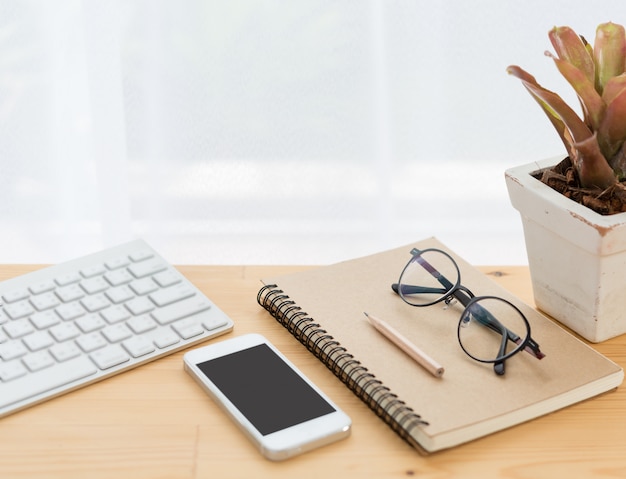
553 105
590 99
593 169
612 132
613 88
609 51
573 49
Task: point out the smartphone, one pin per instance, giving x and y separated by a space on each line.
277 407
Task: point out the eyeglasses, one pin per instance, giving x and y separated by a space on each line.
432 276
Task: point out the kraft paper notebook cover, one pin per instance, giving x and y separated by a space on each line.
323 308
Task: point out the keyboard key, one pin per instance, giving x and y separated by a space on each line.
64 351
120 294
167 278
67 278
118 277
41 381
44 301
42 286
115 314
92 341
110 356
64 331
182 309
188 328
141 324
70 293
170 295
95 303
18 328
214 322
15 295
165 338
18 310
45 319
139 305
70 311
143 286
138 346
12 350
94 285
38 341
90 323
11 370
116 333
37 361
119 262
91 271
141 255
140 270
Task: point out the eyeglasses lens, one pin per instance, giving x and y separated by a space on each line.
428 278
485 323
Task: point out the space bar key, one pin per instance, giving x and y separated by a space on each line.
45 380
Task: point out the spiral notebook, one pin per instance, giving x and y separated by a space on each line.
323 308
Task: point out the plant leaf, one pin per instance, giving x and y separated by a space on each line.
609 51
593 169
613 88
612 132
554 106
582 145
618 163
572 48
591 101
554 118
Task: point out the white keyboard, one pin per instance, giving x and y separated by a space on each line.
75 323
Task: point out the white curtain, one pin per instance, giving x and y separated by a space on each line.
242 131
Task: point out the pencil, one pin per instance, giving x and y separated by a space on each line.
419 356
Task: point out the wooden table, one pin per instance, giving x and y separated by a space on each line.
155 422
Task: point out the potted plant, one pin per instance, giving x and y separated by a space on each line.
573 209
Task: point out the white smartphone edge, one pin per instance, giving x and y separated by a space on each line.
287 442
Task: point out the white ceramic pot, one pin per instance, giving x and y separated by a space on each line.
577 257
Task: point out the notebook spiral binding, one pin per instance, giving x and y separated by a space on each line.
401 418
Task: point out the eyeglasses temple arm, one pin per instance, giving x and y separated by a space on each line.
498 366
433 271
533 348
409 289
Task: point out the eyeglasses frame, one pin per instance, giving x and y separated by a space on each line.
468 299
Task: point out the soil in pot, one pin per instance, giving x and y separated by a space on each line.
563 178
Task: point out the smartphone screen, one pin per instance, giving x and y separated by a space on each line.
270 394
